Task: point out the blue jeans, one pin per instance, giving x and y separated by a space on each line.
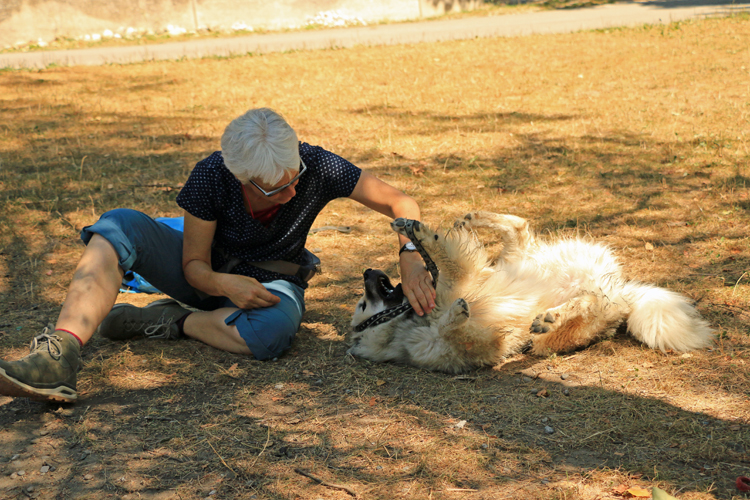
154 250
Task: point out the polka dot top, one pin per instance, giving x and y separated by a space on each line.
213 193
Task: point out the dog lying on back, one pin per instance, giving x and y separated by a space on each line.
546 297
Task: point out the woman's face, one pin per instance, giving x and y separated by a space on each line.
288 185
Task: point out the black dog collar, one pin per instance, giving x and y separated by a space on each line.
382 317
389 314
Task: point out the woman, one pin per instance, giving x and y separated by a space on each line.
241 259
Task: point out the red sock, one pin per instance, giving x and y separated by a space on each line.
73 334
181 323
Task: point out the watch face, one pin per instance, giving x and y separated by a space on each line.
410 246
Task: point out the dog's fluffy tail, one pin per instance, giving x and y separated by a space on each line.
665 320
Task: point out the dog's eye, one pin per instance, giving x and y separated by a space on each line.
363 306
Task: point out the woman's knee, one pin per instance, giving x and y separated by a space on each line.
115 226
268 332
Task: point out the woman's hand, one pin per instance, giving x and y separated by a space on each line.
415 279
245 292
417 283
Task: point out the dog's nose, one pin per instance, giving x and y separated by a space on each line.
367 273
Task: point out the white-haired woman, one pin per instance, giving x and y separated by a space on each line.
241 259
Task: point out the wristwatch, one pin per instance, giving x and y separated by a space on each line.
408 247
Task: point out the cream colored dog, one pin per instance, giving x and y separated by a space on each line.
549 297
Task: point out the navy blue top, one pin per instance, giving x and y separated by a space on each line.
213 193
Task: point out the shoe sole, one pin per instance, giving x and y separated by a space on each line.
9 386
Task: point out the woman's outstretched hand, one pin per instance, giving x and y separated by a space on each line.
417 283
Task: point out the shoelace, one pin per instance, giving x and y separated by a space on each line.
153 331
149 328
136 326
51 341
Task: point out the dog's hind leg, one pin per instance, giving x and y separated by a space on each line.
575 324
514 231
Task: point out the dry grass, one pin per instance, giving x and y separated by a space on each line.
637 137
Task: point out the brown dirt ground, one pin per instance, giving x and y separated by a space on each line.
636 137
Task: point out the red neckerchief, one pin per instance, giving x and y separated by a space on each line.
264 216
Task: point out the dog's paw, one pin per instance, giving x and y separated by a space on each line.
542 323
456 316
499 222
460 308
421 234
466 221
401 225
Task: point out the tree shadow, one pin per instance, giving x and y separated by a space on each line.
247 437
412 121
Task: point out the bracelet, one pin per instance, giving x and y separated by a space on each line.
408 247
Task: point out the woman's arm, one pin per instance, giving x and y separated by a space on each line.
244 292
389 201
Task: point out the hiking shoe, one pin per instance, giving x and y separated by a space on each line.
48 373
158 320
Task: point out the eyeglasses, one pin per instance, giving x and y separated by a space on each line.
281 188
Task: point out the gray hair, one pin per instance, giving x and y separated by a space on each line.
260 145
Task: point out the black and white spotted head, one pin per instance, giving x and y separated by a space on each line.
379 295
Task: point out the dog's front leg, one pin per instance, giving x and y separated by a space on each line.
454 318
451 269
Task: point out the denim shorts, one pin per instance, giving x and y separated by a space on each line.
154 250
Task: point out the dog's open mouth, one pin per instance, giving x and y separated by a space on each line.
378 285
386 289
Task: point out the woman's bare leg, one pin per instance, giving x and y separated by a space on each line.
48 373
209 328
93 291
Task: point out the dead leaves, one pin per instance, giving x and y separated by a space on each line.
638 492
417 170
620 489
627 491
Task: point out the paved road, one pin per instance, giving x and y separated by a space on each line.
555 21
